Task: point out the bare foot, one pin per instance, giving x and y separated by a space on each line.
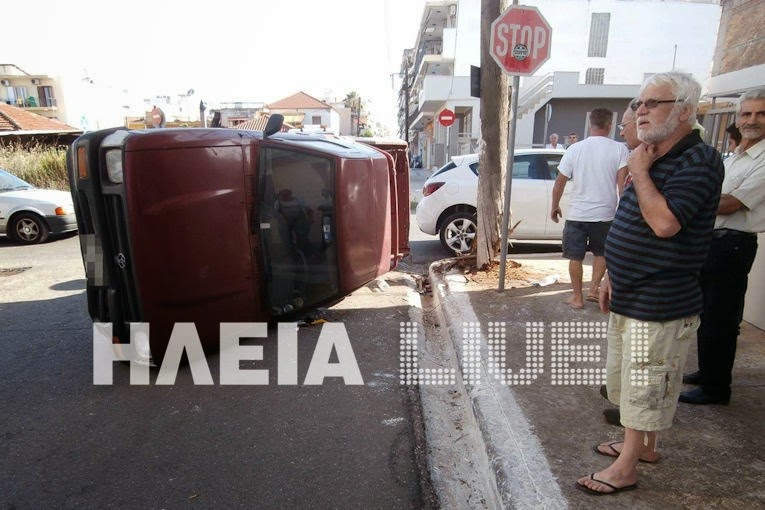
614 448
609 480
577 303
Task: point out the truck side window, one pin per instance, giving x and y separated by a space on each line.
297 224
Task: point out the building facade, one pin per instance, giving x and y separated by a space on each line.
601 52
36 93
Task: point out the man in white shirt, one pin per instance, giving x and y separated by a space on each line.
724 276
597 168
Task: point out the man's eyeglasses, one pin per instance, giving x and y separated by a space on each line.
624 124
650 103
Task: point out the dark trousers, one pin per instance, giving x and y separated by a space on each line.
723 283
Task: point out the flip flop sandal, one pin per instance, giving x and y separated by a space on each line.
600 493
616 453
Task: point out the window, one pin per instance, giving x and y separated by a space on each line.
297 229
46 96
531 166
599 34
594 76
316 119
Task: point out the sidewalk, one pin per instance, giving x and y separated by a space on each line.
538 436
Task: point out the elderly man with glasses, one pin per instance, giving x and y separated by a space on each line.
655 249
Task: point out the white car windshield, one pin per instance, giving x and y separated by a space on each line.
9 182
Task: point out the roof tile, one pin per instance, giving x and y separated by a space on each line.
22 120
299 101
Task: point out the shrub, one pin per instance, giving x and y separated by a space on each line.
39 165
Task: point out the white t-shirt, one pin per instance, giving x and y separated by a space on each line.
592 165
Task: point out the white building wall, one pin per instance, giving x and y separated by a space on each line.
468 41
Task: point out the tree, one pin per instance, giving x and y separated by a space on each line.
493 155
353 101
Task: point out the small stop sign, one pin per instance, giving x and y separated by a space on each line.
520 40
446 117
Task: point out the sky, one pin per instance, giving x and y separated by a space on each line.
225 50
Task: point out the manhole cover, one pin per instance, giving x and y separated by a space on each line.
11 271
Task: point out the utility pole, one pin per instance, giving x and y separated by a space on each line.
494 128
406 103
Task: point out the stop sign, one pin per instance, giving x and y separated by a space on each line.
520 40
446 117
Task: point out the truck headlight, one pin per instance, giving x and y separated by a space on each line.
114 165
113 145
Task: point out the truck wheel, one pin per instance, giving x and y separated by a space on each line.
28 228
458 231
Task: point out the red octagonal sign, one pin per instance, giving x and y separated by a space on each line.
520 40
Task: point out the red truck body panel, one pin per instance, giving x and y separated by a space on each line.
217 225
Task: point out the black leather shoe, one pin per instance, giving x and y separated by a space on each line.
703 398
613 416
693 378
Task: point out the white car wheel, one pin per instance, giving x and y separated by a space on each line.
458 231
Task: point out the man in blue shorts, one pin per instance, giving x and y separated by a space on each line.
596 167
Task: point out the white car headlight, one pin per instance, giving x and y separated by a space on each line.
114 165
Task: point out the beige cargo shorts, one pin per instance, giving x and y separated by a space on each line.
644 368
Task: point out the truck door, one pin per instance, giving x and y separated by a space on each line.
296 206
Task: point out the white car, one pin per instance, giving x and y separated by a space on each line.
29 215
448 206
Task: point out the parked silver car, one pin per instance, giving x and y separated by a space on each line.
29 215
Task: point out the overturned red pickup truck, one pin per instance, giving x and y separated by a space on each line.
221 225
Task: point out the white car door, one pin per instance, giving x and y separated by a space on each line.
530 198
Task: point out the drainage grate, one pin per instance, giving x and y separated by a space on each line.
12 271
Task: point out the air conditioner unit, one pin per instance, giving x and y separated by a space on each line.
5 83
36 81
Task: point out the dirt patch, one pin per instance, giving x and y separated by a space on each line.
517 274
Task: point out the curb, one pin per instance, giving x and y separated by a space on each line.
522 475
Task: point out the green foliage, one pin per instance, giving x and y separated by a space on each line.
39 165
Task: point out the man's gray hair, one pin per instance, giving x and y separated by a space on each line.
748 95
684 87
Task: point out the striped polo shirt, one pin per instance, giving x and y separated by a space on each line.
657 279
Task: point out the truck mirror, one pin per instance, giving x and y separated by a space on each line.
274 125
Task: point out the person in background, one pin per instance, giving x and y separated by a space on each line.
655 249
596 167
571 139
554 142
724 277
628 129
734 139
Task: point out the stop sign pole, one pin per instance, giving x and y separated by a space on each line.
519 44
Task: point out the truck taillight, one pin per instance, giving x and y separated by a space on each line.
431 188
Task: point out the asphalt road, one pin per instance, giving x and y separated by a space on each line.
68 443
